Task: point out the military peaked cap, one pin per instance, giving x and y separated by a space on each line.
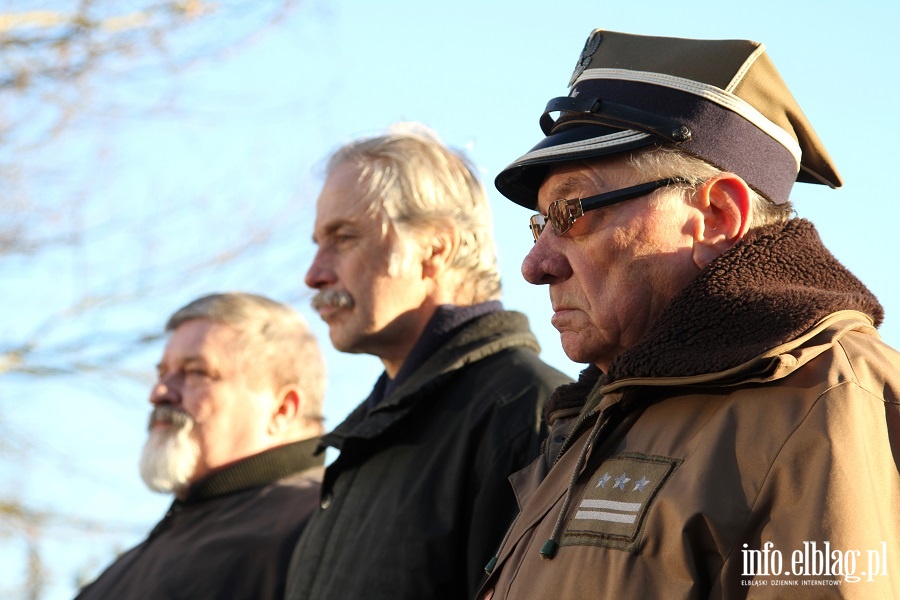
720 100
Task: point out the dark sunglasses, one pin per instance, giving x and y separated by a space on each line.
562 213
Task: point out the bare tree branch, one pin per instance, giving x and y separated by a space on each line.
66 66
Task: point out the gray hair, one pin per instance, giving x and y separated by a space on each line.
272 338
417 183
665 161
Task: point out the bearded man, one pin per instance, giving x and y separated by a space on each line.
236 413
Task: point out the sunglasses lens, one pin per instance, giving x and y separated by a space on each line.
558 215
537 225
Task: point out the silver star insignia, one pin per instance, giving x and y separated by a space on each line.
639 485
601 483
621 480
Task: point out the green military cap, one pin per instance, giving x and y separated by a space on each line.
720 100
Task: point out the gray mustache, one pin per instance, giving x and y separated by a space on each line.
335 298
168 414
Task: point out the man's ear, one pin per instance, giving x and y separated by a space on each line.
284 413
724 204
439 250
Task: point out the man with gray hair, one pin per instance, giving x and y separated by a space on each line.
236 416
405 270
737 433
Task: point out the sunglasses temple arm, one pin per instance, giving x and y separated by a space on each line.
609 198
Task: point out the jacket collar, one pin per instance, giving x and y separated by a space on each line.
765 291
257 470
776 284
444 323
477 339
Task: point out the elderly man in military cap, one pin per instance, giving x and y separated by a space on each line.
738 425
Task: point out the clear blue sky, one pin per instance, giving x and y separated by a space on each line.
248 149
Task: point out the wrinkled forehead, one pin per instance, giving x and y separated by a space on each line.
203 340
347 198
579 179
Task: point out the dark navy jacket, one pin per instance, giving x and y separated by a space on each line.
231 537
418 499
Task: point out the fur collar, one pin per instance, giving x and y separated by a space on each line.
765 291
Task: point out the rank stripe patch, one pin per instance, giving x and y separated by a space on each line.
615 501
610 504
628 514
606 516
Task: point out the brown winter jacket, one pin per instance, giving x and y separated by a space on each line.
747 448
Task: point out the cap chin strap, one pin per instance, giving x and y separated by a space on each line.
604 112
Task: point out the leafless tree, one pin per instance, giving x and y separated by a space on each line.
67 68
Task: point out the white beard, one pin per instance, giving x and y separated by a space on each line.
169 458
